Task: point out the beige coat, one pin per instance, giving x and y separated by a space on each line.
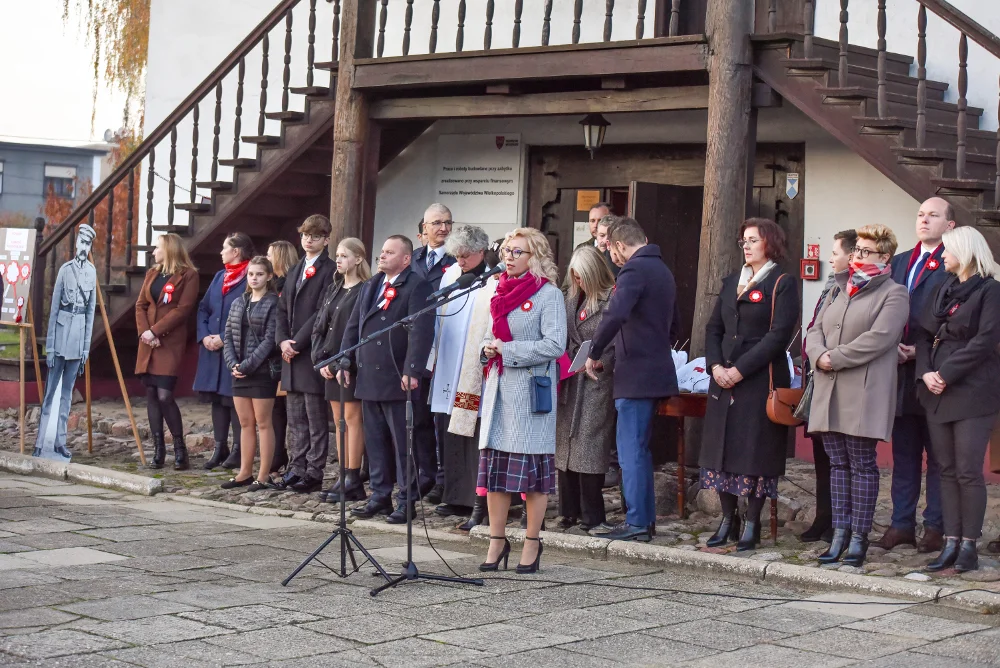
862 333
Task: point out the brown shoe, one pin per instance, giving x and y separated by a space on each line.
894 537
932 541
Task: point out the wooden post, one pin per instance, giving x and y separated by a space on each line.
34 353
726 155
350 124
20 336
90 415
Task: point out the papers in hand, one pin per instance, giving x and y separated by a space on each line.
580 360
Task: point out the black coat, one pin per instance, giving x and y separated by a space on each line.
927 281
418 263
965 356
297 309
738 437
260 345
334 314
634 320
377 362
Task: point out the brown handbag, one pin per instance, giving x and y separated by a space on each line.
781 401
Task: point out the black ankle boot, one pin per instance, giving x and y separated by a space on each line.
280 460
841 537
479 515
159 452
365 476
218 456
947 557
728 531
180 455
857 549
233 460
820 526
968 556
750 536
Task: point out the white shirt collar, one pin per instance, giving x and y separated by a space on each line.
389 280
927 249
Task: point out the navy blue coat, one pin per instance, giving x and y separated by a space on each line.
639 319
377 379
924 286
212 375
418 263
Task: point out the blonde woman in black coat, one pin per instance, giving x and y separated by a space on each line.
957 370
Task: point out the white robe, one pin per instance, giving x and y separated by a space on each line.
451 327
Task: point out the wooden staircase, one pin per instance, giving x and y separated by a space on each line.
899 123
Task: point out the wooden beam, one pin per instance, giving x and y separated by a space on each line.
651 56
764 96
543 104
614 83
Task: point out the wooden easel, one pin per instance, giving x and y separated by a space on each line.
30 327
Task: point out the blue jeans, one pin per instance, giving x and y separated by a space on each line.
910 440
67 371
635 422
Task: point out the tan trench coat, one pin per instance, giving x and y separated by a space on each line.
862 333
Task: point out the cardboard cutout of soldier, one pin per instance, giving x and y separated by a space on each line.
67 344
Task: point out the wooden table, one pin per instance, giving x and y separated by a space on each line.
682 406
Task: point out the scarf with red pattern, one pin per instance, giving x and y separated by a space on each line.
234 274
859 275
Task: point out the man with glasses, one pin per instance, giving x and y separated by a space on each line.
921 270
429 263
598 212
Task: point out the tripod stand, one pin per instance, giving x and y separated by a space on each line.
348 541
409 570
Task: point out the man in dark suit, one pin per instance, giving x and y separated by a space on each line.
597 212
644 368
308 424
921 270
389 296
430 263
602 243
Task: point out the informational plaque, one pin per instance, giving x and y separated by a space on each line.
479 178
17 263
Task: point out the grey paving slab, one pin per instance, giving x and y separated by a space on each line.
349 659
126 607
51 525
18 500
284 642
771 656
71 557
70 500
661 610
457 614
34 617
909 625
263 522
250 617
196 541
26 513
371 629
851 643
504 638
146 548
418 653
92 572
172 563
153 630
80 661
214 596
10 547
550 657
780 618
243 553
983 647
90 590
914 660
637 649
101 521
30 597
25 578
849 604
563 597
585 624
120 534
715 634
186 653
56 643
51 541
336 606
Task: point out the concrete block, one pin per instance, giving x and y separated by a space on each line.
826 579
716 564
979 600
28 465
117 480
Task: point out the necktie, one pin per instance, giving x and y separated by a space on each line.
916 271
431 255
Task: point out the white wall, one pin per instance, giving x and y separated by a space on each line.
942 43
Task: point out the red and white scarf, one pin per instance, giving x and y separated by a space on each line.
234 274
859 275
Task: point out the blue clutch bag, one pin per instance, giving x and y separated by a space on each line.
541 392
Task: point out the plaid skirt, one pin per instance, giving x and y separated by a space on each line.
513 472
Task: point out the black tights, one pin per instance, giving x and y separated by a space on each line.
754 505
222 417
161 407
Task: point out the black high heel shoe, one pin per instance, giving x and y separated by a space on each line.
968 556
949 553
524 569
856 551
504 555
837 546
728 531
750 537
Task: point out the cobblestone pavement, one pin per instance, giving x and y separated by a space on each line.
91 577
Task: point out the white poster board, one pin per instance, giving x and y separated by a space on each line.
479 177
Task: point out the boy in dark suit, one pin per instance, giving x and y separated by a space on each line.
389 296
921 270
309 429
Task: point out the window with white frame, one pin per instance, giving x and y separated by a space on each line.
60 180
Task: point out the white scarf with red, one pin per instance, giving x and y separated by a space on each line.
859 275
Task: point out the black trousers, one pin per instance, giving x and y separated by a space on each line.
960 448
824 506
581 496
385 445
425 441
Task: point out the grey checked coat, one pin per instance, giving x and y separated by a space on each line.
539 335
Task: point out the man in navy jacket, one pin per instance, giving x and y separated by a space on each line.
921 269
389 296
644 367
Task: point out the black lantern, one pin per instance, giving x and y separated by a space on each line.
594 127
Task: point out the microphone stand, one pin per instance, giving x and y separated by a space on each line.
409 571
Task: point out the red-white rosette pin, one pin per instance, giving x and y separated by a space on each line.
168 293
756 296
20 305
390 294
310 272
13 271
527 306
933 264
583 315
25 272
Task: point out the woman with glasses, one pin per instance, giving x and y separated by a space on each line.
518 431
852 349
957 371
756 313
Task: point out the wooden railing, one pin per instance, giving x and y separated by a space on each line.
968 29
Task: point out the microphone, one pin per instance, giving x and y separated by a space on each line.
500 268
463 281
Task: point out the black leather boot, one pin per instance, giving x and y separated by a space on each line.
180 455
233 460
159 452
820 527
728 531
479 515
750 536
857 550
218 456
947 557
841 537
968 556
365 477
280 460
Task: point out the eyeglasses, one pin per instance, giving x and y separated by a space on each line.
514 252
863 253
440 223
314 237
743 243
